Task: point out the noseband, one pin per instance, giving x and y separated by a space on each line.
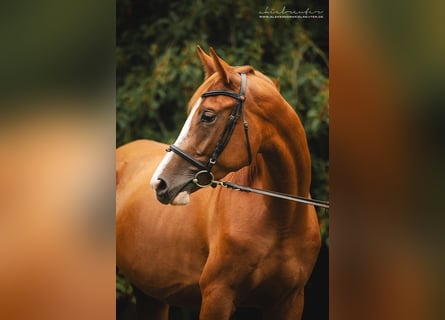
205 177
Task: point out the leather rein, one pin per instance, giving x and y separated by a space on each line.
205 178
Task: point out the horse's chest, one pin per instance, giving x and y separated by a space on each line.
257 260
276 275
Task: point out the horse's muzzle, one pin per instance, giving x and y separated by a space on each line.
161 190
179 195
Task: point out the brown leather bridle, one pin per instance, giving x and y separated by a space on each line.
204 177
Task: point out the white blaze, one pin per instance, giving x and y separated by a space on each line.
182 136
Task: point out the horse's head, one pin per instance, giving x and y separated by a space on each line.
215 139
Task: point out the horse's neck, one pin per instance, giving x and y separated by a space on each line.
286 158
287 169
283 166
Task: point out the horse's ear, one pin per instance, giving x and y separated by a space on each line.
207 62
221 66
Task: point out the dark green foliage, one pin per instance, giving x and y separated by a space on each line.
158 68
123 289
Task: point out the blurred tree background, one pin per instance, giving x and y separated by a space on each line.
158 68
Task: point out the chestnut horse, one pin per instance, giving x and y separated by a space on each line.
222 248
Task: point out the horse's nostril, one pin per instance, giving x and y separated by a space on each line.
161 189
160 186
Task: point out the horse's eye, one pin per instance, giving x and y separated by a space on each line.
208 116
